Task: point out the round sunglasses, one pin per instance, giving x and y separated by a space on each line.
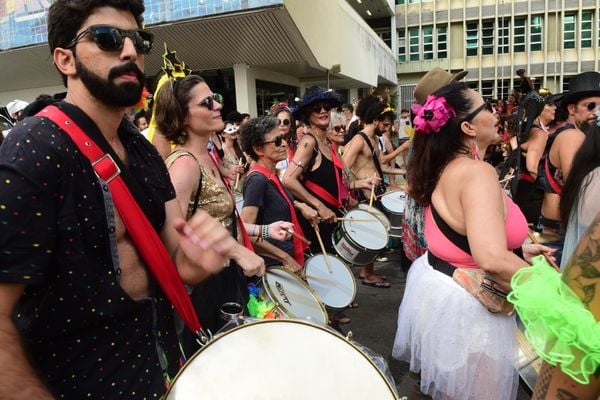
284 122
339 128
111 38
278 141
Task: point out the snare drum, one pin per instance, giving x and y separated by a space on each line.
393 207
292 297
280 359
359 242
336 288
376 212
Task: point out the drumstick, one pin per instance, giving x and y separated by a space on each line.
302 238
372 195
237 176
356 219
546 256
323 249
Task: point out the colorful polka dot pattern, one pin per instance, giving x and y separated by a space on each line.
86 337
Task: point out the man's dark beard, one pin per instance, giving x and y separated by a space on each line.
122 95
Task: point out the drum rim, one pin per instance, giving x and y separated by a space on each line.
283 308
291 321
354 286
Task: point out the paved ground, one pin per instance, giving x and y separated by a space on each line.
373 323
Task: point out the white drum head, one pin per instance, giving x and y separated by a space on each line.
369 234
293 297
336 288
280 359
376 212
394 201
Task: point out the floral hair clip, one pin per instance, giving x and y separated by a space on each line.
431 116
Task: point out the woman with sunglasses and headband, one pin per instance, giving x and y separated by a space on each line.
287 128
461 350
187 114
265 198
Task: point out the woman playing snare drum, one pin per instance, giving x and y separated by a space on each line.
265 198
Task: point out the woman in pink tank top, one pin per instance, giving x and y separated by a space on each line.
460 349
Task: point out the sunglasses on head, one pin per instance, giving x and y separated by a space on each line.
278 141
485 106
339 128
209 102
284 122
316 108
111 38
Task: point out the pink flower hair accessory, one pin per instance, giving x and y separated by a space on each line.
433 115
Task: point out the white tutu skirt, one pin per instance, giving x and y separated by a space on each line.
461 350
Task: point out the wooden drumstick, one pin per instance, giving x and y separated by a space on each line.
302 238
546 256
323 249
372 194
237 176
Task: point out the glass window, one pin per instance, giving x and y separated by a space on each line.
428 43
401 45
519 35
504 35
535 32
487 37
487 89
413 43
472 38
569 31
586 29
386 36
442 42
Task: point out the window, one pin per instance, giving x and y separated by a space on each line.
428 43
504 35
401 45
442 42
519 35
413 43
535 33
569 31
487 89
586 29
487 37
472 38
386 36
503 89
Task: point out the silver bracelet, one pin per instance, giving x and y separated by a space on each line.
265 232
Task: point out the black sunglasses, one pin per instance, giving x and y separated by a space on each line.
339 128
284 122
278 141
591 106
209 102
485 106
316 107
111 38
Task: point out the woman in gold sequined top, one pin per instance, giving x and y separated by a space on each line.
187 113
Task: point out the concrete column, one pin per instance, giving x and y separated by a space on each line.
245 89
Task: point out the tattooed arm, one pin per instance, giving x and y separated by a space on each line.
583 276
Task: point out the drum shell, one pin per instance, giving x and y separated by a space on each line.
373 233
394 210
350 251
233 365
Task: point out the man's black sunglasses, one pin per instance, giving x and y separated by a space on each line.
111 38
278 141
591 106
316 107
485 106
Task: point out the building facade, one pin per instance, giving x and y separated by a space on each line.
552 40
254 52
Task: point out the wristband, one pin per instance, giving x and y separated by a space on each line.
265 232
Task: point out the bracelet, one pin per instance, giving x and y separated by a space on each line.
265 232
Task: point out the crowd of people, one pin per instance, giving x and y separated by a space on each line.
87 312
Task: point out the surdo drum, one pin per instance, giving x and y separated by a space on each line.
359 242
280 359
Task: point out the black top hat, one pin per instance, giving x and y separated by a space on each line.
586 84
312 95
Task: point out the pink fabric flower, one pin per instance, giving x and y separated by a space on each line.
433 115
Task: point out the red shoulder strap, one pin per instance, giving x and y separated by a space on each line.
144 236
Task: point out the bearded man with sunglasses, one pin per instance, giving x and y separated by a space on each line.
81 316
580 102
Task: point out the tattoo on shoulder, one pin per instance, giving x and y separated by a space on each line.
583 271
305 145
